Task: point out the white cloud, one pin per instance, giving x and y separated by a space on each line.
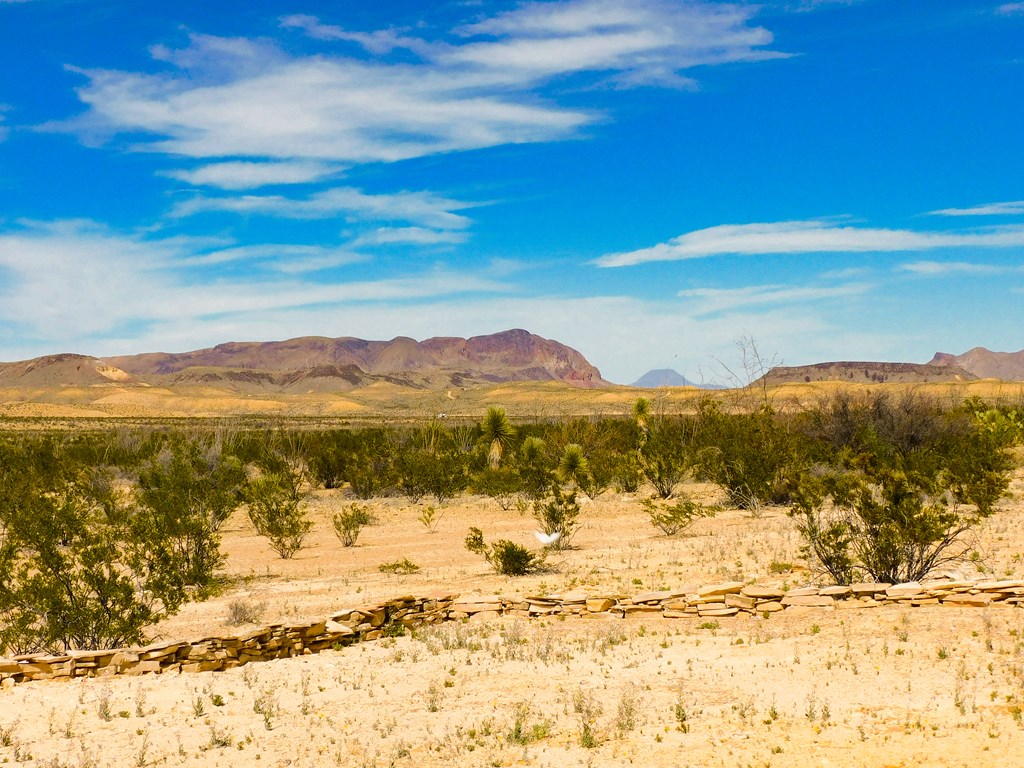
237 98
410 236
284 258
421 208
328 109
1010 208
249 175
712 300
379 41
792 237
943 268
642 43
76 283
1010 9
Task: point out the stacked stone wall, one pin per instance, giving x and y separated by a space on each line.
371 622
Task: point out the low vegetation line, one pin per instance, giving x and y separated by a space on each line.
398 615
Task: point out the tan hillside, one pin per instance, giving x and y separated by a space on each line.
985 364
66 370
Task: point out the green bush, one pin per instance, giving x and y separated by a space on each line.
505 557
755 457
558 514
891 525
277 511
501 484
663 453
186 494
78 569
349 523
675 518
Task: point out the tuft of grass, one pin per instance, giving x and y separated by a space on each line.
404 567
242 611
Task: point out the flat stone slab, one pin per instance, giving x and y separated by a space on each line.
971 601
855 604
836 591
802 592
659 596
809 601
725 588
762 593
723 611
869 588
742 602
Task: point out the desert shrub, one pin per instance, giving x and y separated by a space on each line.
536 471
413 470
675 518
77 570
502 484
663 454
626 473
505 557
349 523
241 611
449 475
754 456
277 511
558 514
186 494
890 525
370 469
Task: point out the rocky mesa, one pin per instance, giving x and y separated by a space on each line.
316 363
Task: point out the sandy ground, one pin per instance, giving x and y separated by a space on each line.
892 686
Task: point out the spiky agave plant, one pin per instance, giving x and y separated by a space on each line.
498 434
574 467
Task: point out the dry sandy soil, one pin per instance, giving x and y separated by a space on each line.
892 686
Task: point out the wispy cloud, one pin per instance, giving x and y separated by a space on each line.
248 99
712 300
1010 9
249 175
422 208
642 43
793 237
81 282
944 268
285 258
381 41
410 236
1010 208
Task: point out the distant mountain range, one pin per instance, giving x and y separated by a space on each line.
977 363
319 364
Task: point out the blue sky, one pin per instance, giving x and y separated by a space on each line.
646 181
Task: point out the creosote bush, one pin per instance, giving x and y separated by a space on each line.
505 557
277 511
558 514
672 519
348 523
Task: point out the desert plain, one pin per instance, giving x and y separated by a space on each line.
890 686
